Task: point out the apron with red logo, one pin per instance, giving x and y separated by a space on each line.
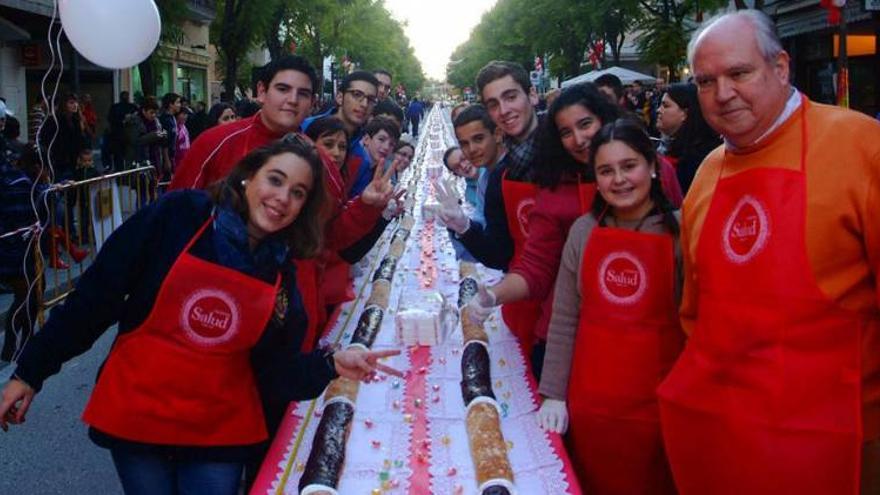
521 316
628 338
767 395
184 377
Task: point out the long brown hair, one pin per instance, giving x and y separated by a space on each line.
305 234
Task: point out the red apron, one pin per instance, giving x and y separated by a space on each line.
767 396
628 338
521 316
184 377
335 282
307 283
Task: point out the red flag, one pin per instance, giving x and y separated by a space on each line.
833 7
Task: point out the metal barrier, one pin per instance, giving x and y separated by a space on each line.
81 216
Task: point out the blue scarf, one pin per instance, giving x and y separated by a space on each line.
233 251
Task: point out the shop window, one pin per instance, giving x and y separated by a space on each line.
191 83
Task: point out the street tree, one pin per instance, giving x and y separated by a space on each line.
172 13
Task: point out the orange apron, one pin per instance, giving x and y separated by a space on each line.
767 395
628 338
184 377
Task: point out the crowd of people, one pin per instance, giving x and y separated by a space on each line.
694 285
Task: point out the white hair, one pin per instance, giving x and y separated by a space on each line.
765 33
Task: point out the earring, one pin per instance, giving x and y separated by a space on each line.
653 176
243 182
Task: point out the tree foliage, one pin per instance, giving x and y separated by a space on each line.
566 31
172 13
363 30
667 26
238 27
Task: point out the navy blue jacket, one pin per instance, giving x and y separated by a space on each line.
123 282
491 243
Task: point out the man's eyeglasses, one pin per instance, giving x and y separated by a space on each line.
359 96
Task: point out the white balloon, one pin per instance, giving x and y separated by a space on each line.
112 33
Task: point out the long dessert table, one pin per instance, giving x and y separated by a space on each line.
416 435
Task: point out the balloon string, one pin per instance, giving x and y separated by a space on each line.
34 241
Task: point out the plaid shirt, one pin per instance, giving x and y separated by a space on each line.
521 156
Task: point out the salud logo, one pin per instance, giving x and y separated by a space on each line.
622 278
522 214
746 231
210 317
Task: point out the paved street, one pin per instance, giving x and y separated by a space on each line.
51 453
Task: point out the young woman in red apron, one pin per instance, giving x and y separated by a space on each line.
183 378
621 257
541 212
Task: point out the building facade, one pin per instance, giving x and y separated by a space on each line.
183 65
813 43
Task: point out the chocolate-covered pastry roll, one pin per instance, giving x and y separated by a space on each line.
368 326
386 269
496 490
467 289
327 456
476 380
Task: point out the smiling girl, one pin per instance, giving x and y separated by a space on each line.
210 320
614 331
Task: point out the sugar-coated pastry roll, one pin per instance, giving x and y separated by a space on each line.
397 248
368 326
476 380
467 269
327 456
467 289
400 235
408 221
386 269
342 387
470 330
379 293
487 445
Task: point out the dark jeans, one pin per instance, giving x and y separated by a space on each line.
153 474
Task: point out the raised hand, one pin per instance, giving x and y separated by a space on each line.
380 190
395 205
358 364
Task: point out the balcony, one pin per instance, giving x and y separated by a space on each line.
202 10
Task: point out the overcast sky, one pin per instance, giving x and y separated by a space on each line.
436 27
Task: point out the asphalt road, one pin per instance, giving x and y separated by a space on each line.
51 453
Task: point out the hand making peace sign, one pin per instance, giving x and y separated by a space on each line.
380 189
